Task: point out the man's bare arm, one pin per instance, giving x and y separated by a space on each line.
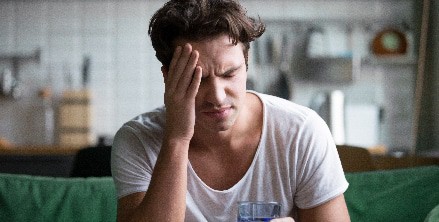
334 210
165 199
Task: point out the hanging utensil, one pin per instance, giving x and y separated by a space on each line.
85 71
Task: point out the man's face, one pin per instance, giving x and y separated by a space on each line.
222 90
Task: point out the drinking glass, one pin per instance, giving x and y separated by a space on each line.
257 211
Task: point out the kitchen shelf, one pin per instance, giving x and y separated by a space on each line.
15 59
9 83
35 55
389 60
327 69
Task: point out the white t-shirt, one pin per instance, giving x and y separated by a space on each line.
296 163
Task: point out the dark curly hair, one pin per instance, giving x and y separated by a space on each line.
199 20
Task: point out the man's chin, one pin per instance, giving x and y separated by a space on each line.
215 127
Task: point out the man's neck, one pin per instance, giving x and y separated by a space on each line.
248 125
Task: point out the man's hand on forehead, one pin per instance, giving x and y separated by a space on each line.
182 81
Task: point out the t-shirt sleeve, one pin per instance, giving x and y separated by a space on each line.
319 174
130 167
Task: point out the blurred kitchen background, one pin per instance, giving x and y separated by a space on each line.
74 71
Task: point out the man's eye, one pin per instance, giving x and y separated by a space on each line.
229 74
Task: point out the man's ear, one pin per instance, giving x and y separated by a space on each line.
164 73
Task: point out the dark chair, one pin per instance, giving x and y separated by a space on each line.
92 162
355 159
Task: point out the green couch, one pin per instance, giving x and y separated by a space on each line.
35 198
391 195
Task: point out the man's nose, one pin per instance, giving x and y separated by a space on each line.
216 91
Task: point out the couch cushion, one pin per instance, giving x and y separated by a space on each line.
393 195
36 198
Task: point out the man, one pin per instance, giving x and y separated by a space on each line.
215 143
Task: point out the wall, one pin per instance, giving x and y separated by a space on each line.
125 76
386 88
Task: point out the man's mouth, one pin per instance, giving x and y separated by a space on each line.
220 113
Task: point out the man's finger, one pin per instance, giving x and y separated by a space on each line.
175 57
188 74
179 66
195 83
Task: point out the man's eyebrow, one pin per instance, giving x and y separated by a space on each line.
231 69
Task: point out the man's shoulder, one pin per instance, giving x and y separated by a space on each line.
280 106
151 120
